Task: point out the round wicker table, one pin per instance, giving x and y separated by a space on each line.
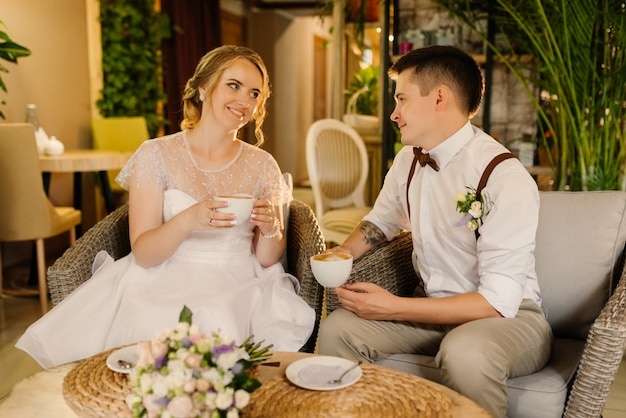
89 389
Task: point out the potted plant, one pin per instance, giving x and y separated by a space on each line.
362 99
9 51
579 66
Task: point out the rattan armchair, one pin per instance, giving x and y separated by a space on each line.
304 239
580 266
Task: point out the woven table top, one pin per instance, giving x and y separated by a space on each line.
91 389
381 392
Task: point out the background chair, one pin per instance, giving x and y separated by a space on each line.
304 239
580 266
337 164
123 134
25 212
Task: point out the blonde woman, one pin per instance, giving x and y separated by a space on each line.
185 252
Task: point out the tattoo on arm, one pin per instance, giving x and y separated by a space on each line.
372 234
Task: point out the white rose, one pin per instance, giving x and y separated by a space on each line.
476 209
232 413
227 360
145 382
460 197
242 398
210 400
159 385
224 399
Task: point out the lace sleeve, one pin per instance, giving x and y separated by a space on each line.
273 186
145 168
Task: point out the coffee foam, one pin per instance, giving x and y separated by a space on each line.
331 257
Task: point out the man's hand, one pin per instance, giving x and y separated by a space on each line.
367 300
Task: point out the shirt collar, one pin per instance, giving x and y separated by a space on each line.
444 152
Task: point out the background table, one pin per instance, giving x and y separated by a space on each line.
41 394
84 161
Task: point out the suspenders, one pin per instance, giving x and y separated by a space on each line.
483 179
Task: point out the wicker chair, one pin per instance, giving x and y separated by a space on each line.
580 266
304 239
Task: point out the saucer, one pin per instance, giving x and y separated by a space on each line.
314 373
128 354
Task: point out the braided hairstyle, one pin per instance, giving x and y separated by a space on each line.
208 72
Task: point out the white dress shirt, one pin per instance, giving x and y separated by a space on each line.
500 265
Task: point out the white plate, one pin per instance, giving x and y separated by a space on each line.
314 372
127 353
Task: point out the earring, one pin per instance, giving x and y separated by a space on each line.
201 97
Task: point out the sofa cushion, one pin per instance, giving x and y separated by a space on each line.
544 391
579 239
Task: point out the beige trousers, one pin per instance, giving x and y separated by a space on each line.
475 359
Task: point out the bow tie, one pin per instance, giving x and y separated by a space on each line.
424 158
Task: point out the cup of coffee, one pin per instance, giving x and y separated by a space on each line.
331 269
239 204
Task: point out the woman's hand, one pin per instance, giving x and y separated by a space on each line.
204 216
264 216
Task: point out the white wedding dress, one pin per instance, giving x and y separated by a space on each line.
214 272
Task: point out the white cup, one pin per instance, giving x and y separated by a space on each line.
331 269
241 205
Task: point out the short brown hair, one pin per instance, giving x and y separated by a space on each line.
448 65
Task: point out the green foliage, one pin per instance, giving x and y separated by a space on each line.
579 65
9 51
365 83
185 315
131 60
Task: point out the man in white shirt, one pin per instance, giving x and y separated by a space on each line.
480 307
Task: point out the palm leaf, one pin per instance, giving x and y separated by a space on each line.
579 64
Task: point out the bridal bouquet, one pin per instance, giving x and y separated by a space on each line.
184 373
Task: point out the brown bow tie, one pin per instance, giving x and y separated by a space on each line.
423 160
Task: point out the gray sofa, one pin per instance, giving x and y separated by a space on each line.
580 246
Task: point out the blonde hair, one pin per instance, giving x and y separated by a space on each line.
208 72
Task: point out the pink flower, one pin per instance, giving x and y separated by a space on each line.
202 385
180 406
189 386
159 349
151 405
193 360
145 353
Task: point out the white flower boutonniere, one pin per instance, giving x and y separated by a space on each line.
472 209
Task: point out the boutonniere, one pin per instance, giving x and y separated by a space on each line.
472 209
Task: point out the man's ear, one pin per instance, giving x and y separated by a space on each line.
441 97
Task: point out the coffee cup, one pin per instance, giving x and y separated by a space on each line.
240 204
331 269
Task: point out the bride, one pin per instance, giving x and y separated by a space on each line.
185 252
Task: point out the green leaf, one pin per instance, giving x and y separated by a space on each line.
185 315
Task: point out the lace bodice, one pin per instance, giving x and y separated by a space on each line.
166 164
